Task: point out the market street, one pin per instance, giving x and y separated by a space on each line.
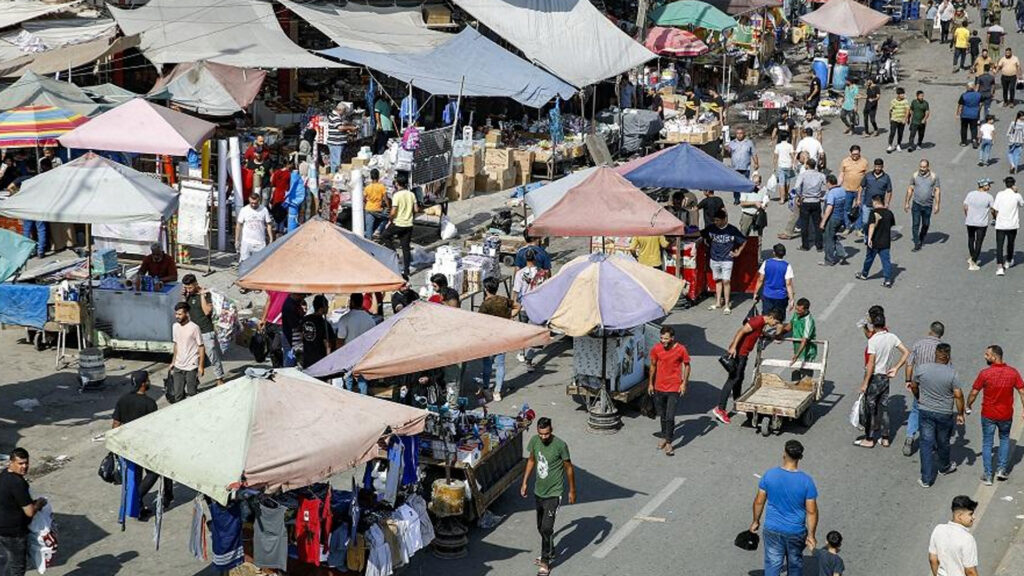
640 512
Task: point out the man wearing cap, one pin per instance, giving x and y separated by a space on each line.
952 550
792 518
977 214
132 406
200 311
159 265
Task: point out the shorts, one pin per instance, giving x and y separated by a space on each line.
785 176
247 249
721 269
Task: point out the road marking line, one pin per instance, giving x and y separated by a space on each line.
649 519
634 522
835 301
956 159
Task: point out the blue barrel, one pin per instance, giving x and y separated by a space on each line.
839 75
820 69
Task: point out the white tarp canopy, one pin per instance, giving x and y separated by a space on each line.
385 29
15 12
570 38
242 33
35 90
34 38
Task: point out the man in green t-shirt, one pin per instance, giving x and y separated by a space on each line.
385 122
549 455
804 331
920 112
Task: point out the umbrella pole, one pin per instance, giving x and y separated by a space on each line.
602 417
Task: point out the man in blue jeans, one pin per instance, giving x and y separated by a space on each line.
937 389
775 277
923 196
792 518
879 240
876 183
921 353
998 382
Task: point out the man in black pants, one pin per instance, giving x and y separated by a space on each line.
549 456
1009 70
670 372
16 511
404 207
132 406
743 343
873 95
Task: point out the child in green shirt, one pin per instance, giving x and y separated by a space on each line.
804 331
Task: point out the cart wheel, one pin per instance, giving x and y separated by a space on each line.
807 418
764 426
508 260
39 341
776 424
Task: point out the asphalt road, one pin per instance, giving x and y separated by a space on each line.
639 511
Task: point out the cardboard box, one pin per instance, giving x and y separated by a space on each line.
497 159
67 312
437 14
461 187
523 156
480 183
523 174
493 139
473 164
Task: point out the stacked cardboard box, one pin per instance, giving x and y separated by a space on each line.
522 161
461 186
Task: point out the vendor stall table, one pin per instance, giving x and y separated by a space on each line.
628 356
135 321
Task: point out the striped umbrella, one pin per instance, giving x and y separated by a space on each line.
675 42
27 126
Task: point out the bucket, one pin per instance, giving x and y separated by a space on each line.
91 368
448 499
839 75
820 69
842 57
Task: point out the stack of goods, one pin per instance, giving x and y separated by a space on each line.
477 434
499 171
612 244
467 167
702 130
829 107
104 261
448 263
481 263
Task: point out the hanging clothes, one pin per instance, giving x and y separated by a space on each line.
131 499
270 537
197 534
398 556
409 109
354 512
451 113
395 460
408 522
378 562
307 530
426 526
410 460
555 124
410 139
226 533
355 556
326 520
337 548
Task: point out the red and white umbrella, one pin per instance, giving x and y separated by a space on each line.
674 42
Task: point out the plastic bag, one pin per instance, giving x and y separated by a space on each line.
647 406
448 229
855 412
773 183
110 469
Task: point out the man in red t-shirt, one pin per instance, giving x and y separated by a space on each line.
742 344
670 371
998 382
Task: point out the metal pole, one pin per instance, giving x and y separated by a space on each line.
455 127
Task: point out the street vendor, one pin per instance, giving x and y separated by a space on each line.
256 156
159 265
692 106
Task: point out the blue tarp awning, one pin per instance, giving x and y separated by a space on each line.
684 166
15 250
488 69
23 304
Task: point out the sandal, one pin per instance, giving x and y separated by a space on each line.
885 443
713 307
860 444
543 571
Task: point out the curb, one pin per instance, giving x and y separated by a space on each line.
1014 558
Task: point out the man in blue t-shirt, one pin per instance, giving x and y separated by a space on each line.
542 260
775 282
968 110
792 517
833 222
725 242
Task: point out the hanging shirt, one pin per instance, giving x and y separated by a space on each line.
226 533
270 538
409 111
197 534
307 531
378 562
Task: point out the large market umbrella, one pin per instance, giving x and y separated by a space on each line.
609 291
263 431
321 257
143 128
210 88
35 90
604 204
684 166
736 7
37 125
674 42
846 18
428 335
15 250
692 13
92 190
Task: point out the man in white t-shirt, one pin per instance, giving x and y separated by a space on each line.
811 145
1006 208
880 367
977 215
252 228
526 279
355 322
952 550
785 172
750 203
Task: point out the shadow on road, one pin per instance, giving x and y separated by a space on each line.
579 534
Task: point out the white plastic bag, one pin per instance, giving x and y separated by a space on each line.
448 229
855 412
773 183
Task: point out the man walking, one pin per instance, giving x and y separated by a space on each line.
952 549
1009 70
899 114
921 353
775 282
792 519
879 240
946 13
549 456
872 97
997 383
316 333
852 171
253 228
833 222
502 307
968 110
920 112
876 183
936 388
848 114
200 311
743 155
187 358
924 196
670 373
1015 141
403 211
132 406
742 345
785 168
986 83
880 367
977 215
961 42
16 511
809 191
1006 210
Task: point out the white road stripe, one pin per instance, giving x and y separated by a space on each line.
956 159
627 529
835 302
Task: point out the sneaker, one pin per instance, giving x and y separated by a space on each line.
986 479
908 447
1002 475
1000 271
886 284
923 484
980 163
860 276
1009 263
948 469
713 306
916 248
497 397
974 267
721 415
727 310
898 149
889 149
521 357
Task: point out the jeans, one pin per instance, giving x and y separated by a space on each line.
851 197
988 431
896 132
975 238
959 58
870 116
358 381
336 150
1008 237
875 407
986 105
849 118
15 552
922 219
834 251
212 347
917 130
865 214
936 429
1013 155
810 220
968 125
287 351
546 510
374 222
1009 84
184 383
913 420
665 405
769 304
985 153
497 362
27 226
944 28
404 235
883 255
780 548
746 174
734 383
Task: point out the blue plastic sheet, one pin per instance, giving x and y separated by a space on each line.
23 304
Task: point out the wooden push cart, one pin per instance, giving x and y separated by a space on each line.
772 398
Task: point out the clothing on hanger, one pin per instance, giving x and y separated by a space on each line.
270 537
396 454
337 548
410 459
426 526
197 535
378 561
226 533
307 530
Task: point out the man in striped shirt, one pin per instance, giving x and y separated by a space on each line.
899 115
338 131
923 352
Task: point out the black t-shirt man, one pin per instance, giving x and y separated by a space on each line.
985 84
873 95
14 496
291 315
133 406
784 130
883 220
195 311
710 206
315 331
